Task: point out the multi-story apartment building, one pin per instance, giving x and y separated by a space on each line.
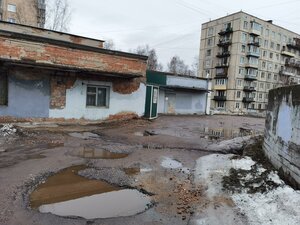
246 57
28 12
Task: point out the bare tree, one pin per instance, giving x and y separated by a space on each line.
58 15
153 63
195 66
177 66
109 44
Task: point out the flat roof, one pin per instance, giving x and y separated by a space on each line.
254 17
178 75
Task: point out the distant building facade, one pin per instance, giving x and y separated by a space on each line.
29 12
246 57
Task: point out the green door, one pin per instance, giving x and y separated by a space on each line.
152 95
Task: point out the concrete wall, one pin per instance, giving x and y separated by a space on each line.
27 97
282 132
186 102
118 103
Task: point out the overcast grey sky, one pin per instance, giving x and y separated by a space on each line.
172 27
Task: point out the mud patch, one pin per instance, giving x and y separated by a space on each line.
132 171
93 153
67 185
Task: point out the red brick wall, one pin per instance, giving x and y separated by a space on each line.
63 56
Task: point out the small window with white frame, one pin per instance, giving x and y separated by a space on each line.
97 96
11 8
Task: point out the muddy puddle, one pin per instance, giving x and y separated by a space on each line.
70 195
93 153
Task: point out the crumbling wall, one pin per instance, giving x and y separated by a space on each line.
28 94
282 132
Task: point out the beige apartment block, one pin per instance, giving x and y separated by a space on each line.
246 57
28 12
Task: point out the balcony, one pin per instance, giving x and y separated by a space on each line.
220 98
220 87
222 65
249 89
248 99
284 72
254 43
223 54
221 75
253 54
224 42
292 62
251 65
285 52
228 30
250 77
295 44
255 32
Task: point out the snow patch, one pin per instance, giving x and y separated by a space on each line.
245 163
170 163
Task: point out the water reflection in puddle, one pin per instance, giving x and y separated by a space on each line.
68 194
112 204
92 153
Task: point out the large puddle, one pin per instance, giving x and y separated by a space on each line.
92 153
68 194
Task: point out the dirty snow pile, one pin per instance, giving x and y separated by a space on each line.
7 129
259 194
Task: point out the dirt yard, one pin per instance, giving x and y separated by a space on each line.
155 158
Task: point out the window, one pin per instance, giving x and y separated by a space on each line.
273 35
239 83
279 37
11 8
209 42
261 85
241 71
3 89
272 45
266 43
262 75
245 25
275 77
11 20
271 55
208 52
267 33
207 63
260 96
278 47
263 64
220 81
269 76
277 57
221 104
237 105
243 49
97 96
238 94
259 106
210 31
242 60
244 37
268 86
264 53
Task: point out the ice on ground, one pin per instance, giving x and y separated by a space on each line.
170 163
276 207
7 129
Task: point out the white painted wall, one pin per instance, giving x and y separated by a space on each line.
186 102
118 103
282 133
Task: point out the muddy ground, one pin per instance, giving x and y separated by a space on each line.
36 151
